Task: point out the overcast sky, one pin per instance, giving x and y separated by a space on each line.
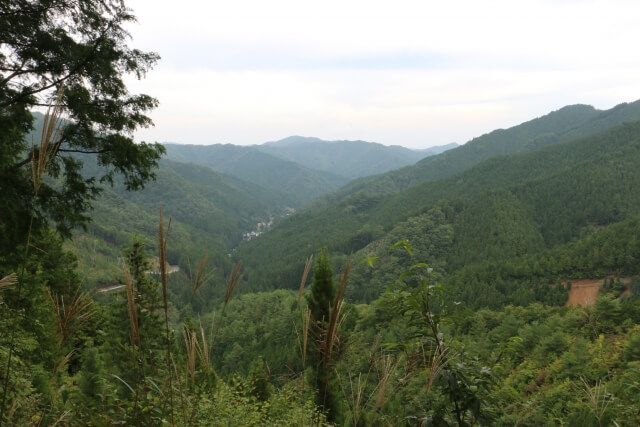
412 73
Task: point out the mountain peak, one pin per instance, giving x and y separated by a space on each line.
293 140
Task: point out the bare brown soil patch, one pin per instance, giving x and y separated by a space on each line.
584 292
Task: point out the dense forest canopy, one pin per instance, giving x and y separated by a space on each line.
137 290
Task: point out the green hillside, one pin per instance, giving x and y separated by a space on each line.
563 125
210 213
298 184
499 238
504 207
495 284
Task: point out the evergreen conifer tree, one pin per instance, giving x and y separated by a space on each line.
322 288
320 301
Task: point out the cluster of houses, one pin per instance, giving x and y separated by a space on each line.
261 227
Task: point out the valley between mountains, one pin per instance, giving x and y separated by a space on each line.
504 273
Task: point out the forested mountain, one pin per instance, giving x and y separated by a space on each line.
445 293
351 159
506 232
563 125
210 212
298 183
504 207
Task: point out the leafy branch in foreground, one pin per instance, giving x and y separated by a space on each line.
419 300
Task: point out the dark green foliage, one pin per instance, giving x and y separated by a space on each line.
631 351
501 222
494 226
209 211
456 388
322 290
257 324
320 301
501 211
41 54
91 381
148 305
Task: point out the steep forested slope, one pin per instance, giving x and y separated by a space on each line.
298 183
209 211
563 125
505 207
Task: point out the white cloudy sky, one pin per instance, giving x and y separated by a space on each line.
412 73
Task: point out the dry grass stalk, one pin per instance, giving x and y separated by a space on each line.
162 255
201 276
303 280
356 402
438 360
386 370
335 318
190 343
183 403
306 321
359 393
50 140
232 282
196 350
598 397
61 417
204 352
211 332
131 304
8 281
70 317
62 363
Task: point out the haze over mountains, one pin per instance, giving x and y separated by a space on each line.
303 168
351 159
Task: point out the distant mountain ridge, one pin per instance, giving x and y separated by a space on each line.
300 167
566 124
298 183
351 159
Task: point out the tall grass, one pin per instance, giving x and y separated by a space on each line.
70 315
162 255
303 280
8 281
50 140
232 282
335 317
201 276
